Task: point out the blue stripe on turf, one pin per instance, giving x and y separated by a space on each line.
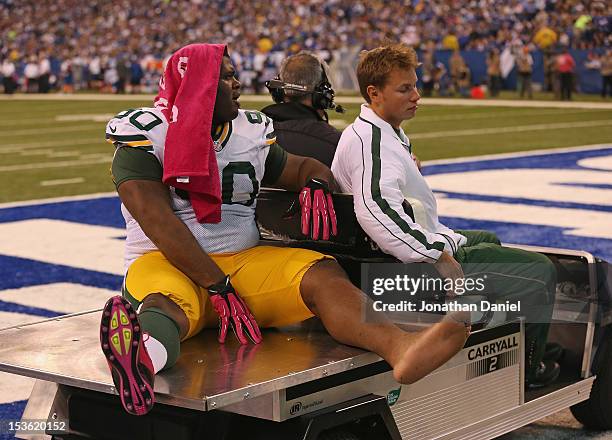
6 306
542 161
530 202
536 235
20 272
100 212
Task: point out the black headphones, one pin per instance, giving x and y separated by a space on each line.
322 94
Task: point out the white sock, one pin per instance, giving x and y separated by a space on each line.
157 352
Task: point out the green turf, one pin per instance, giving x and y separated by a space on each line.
38 150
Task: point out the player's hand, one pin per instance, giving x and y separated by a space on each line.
317 209
233 312
448 267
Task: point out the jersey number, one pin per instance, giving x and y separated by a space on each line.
227 182
142 125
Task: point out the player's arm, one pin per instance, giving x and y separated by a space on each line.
314 181
137 175
149 203
298 170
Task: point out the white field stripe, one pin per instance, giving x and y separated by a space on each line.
515 129
62 181
32 152
14 147
59 164
50 119
491 115
517 154
58 200
64 153
147 99
85 117
80 127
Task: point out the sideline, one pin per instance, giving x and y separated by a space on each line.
339 99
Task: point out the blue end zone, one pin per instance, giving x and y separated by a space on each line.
100 212
538 235
561 161
9 412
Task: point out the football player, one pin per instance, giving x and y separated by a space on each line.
185 273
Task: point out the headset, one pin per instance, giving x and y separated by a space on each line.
322 94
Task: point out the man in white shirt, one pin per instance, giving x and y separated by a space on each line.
396 208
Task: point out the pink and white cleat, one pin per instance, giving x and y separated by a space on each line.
121 340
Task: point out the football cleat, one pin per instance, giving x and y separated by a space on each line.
131 367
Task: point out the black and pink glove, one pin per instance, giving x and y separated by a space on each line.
317 207
233 311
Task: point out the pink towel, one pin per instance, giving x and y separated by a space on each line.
187 93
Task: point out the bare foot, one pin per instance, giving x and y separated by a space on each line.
423 352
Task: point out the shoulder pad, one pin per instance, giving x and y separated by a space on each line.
258 125
141 127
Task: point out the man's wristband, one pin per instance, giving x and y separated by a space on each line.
219 287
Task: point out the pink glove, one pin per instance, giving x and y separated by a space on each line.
233 311
317 206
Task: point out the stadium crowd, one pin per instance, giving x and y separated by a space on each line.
120 46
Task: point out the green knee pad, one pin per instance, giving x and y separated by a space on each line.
161 327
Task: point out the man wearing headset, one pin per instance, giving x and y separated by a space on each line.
302 94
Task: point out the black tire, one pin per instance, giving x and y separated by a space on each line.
596 413
338 434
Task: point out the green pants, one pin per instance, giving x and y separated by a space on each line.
514 275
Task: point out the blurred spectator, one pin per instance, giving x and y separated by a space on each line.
545 37
494 72
136 75
460 74
91 35
524 66
44 73
565 67
606 73
441 79
428 73
8 76
31 75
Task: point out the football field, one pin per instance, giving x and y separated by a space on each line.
52 148
534 172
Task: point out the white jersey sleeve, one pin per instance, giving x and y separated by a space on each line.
379 202
144 128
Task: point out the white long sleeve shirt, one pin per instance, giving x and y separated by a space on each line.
393 203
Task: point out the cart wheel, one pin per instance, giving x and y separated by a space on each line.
338 434
596 413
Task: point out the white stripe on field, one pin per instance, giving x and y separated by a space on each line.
339 99
429 162
85 117
14 147
58 164
35 202
62 181
517 154
494 115
515 129
80 127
